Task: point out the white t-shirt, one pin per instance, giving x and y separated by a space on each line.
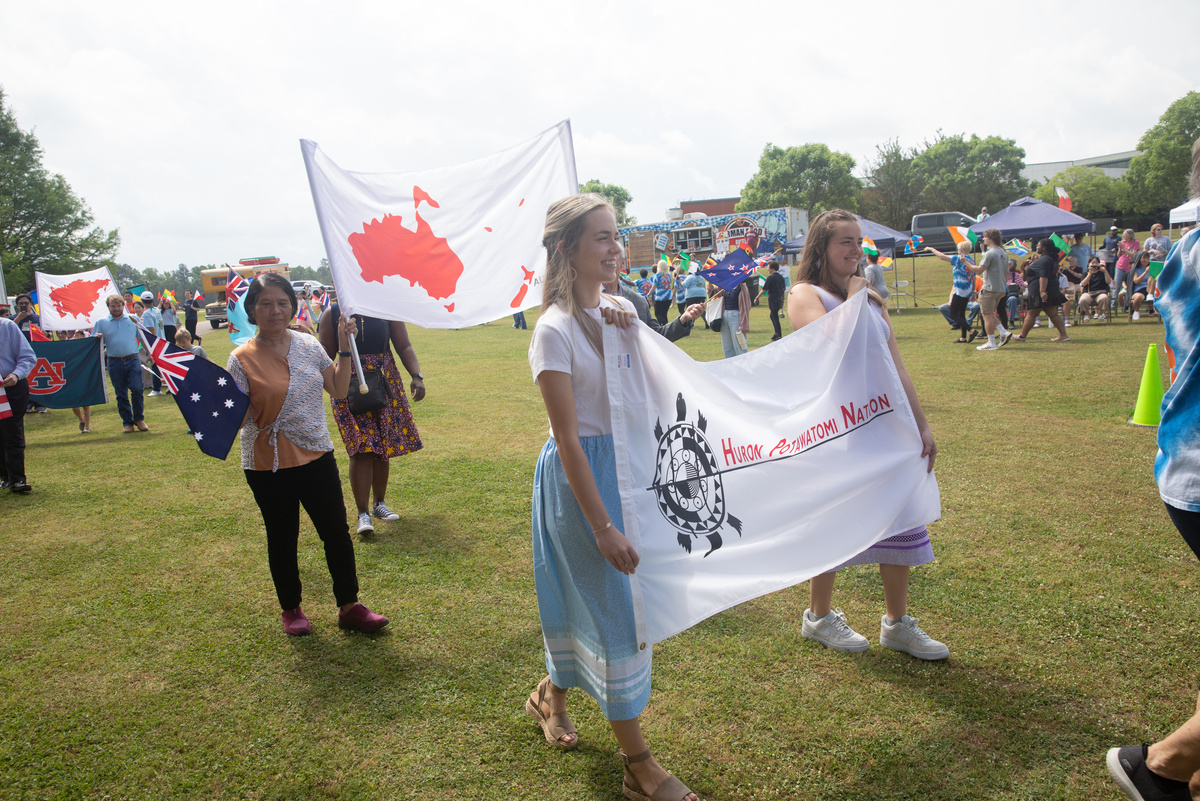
559 344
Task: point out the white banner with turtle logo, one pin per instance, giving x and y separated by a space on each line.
744 476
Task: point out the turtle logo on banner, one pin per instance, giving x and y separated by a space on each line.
687 482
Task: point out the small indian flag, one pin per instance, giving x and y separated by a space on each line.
869 246
960 234
1064 200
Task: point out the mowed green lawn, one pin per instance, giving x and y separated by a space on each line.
141 654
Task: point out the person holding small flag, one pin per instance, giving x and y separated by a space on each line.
17 359
287 454
1044 293
191 314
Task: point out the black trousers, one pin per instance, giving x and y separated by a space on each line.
775 317
958 312
661 309
190 324
12 434
279 495
1188 524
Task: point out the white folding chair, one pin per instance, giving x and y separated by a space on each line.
898 299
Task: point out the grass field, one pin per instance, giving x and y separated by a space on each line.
141 654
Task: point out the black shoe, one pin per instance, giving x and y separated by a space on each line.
19 487
1127 766
971 338
776 338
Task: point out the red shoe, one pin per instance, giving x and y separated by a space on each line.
295 624
360 618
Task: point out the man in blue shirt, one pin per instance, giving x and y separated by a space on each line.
16 361
152 320
118 332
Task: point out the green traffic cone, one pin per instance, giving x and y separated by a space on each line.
1148 411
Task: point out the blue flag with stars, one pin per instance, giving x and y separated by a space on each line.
731 271
211 403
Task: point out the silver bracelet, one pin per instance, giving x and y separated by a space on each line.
605 527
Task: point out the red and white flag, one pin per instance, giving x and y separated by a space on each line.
5 408
70 302
442 248
1064 200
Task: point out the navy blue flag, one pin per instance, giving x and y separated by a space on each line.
730 271
205 393
68 373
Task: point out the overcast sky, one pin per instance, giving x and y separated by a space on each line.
180 124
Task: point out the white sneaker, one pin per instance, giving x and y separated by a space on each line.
1086 318
833 632
907 636
156 392
988 346
1004 339
384 513
1137 315
1037 324
364 524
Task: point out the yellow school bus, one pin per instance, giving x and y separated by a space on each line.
212 283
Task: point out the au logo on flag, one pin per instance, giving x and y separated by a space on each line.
687 482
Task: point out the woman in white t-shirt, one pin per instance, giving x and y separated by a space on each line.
582 559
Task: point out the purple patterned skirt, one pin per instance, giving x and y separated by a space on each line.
910 547
386 432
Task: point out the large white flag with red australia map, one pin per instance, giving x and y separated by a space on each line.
447 247
744 476
70 302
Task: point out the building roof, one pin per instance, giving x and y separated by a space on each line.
1113 165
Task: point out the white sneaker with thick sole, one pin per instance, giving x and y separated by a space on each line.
364 524
384 513
154 393
987 346
1137 315
832 631
905 635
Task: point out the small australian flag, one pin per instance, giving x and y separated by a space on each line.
211 403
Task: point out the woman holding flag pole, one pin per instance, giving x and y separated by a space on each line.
582 559
826 278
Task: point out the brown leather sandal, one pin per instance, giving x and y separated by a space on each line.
555 726
671 788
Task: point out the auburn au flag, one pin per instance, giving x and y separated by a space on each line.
68 373
744 476
447 247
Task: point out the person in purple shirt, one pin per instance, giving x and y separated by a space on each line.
16 361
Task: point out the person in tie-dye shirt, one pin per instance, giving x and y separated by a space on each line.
1171 768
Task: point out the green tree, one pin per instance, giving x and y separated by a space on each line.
894 186
961 174
43 225
811 177
1093 194
1157 179
618 195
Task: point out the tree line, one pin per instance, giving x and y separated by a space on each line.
183 277
961 173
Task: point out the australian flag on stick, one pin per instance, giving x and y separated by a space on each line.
205 393
730 271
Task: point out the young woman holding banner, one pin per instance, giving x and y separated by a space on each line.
827 277
582 559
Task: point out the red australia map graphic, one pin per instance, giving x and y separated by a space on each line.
386 248
78 298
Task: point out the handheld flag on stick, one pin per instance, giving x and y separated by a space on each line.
961 234
885 262
868 246
199 296
1064 200
1061 244
169 295
731 271
207 397
36 334
1156 267
1017 248
240 329
913 245
5 407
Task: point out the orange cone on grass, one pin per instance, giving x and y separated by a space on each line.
1149 401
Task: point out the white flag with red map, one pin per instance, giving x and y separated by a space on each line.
71 302
442 248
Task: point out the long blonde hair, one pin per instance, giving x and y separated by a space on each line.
564 230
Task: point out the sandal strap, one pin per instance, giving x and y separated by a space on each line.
642 757
560 725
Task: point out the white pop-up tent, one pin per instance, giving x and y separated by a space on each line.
1187 213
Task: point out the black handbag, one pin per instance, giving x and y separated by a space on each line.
376 396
